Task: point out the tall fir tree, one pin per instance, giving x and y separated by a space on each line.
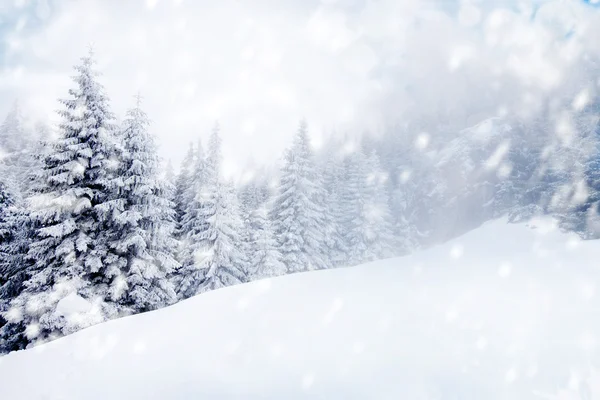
168 178
169 174
167 181
378 220
20 143
141 227
212 257
183 192
194 186
264 257
584 216
352 203
297 213
67 209
333 178
14 236
223 259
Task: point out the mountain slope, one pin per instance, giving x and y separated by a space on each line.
504 311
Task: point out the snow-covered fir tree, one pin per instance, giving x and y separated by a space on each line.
584 215
14 236
212 257
222 256
404 217
192 223
167 180
264 259
189 193
20 143
139 236
352 203
253 195
199 168
333 178
60 296
378 221
169 174
183 191
297 212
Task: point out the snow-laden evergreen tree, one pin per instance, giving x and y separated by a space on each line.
183 193
192 222
378 221
264 257
167 180
249 202
213 243
297 213
333 178
405 220
584 216
14 232
199 168
352 203
14 236
169 175
141 226
68 256
222 257
195 185
7 226
12 131
20 143
253 195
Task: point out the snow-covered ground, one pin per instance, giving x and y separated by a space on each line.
503 312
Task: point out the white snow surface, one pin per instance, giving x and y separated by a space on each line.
503 312
72 304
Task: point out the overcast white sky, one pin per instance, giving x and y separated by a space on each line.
259 66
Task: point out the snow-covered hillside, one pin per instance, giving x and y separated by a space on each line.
504 312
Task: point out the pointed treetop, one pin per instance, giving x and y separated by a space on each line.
303 126
214 144
138 99
16 106
302 133
91 51
90 58
15 111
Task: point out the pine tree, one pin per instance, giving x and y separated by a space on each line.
333 174
250 198
378 221
352 202
68 213
167 182
14 235
194 186
212 243
405 228
19 145
142 223
199 168
264 258
584 216
14 224
297 214
169 175
183 192
224 263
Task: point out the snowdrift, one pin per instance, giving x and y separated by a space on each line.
503 312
